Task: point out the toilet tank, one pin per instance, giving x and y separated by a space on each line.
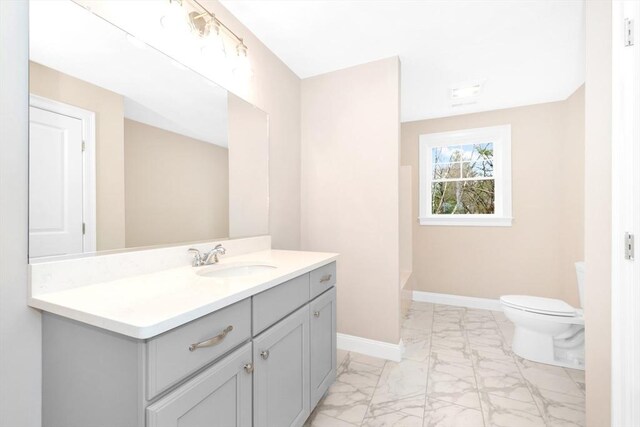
580 276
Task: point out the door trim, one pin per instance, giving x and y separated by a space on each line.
625 274
88 119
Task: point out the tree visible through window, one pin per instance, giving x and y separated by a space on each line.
465 177
462 179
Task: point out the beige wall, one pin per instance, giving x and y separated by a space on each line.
274 88
249 169
176 187
406 239
571 234
598 213
406 219
536 254
108 106
350 160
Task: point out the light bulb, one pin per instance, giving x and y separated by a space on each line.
213 44
242 66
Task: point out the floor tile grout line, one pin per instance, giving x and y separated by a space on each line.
426 387
371 365
473 366
348 358
374 393
344 360
574 381
526 381
401 360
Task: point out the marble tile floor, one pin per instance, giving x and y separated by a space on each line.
457 371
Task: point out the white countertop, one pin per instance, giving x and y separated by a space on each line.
146 305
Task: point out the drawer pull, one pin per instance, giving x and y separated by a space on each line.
326 278
316 314
248 368
264 354
212 341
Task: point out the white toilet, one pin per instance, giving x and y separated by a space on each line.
548 330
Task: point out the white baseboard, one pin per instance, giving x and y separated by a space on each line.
458 300
379 349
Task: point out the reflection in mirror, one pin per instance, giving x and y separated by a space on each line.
129 148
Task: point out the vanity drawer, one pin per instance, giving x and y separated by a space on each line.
174 355
322 279
274 304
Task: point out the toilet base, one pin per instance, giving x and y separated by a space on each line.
544 348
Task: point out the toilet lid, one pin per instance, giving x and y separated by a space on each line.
550 306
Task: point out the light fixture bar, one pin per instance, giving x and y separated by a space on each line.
220 24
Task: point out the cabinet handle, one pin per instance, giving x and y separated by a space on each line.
264 354
326 278
212 341
316 314
248 368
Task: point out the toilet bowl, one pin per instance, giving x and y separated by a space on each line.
548 330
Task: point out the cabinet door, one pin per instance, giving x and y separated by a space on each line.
281 376
218 397
322 344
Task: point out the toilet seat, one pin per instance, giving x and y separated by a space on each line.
540 305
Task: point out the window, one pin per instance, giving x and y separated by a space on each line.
465 177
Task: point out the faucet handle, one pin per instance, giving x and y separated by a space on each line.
221 249
197 257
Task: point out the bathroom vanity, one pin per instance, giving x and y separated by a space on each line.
134 332
248 349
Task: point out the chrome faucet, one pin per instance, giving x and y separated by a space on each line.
211 257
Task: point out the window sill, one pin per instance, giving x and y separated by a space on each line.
467 221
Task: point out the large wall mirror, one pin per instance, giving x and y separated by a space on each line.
129 148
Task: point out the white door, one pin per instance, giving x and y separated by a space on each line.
625 289
55 184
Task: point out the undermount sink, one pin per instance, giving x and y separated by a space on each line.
224 271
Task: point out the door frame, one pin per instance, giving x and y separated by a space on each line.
625 193
88 119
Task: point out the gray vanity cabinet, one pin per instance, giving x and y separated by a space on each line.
281 376
219 396
322 344
264 361
322 279
170 359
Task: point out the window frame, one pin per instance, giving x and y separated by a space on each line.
500 136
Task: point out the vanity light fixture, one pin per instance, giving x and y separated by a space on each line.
206 26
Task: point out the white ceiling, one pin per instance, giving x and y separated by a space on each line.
526 52
156 90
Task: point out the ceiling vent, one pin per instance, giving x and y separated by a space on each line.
465 93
